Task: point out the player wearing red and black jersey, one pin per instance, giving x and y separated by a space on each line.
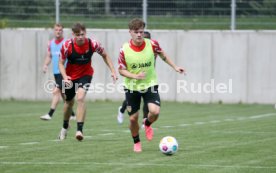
136 64
77 68
78 74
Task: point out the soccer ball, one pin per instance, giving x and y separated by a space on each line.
168 145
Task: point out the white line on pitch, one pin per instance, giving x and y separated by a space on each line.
262 115
183 125
230 119
199 123
167 126
55 140
3 147
241 118
28 143
215 121
106 134
138 164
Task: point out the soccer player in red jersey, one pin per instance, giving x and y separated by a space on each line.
78 74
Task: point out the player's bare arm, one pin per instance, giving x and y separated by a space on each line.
47 61
168 60
66 79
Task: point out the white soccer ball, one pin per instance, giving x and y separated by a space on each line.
168 145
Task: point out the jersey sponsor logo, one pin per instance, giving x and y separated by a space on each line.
140 65
134 65
81 58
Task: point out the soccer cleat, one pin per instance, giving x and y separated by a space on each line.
46 117
62 134
120 116
79 135
137 147
148 131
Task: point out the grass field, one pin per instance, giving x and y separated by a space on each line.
213 138
180 23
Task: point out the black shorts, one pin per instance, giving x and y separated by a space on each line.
133 98
83 82
58 79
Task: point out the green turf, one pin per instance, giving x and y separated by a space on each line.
213 138
168 22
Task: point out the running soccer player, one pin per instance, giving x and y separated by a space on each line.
78 74
52 55
122 108
136 64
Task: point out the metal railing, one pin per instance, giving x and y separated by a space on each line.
159 14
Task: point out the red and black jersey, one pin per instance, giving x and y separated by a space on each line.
75 70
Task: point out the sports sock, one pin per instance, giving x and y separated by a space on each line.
65 124
51 112
136 139
147 123
80 126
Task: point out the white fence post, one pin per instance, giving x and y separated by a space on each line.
57 11
145 9
233 15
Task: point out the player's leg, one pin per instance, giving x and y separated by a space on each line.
83 86
121 111
58 78
55 98
133 105
145 110
81 112
154 111
72 116
67 110
153 99
124 105
145 113
54 103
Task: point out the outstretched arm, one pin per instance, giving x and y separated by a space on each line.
168 60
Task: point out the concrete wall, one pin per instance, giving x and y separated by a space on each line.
240 64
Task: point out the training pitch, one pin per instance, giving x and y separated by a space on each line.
212 138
